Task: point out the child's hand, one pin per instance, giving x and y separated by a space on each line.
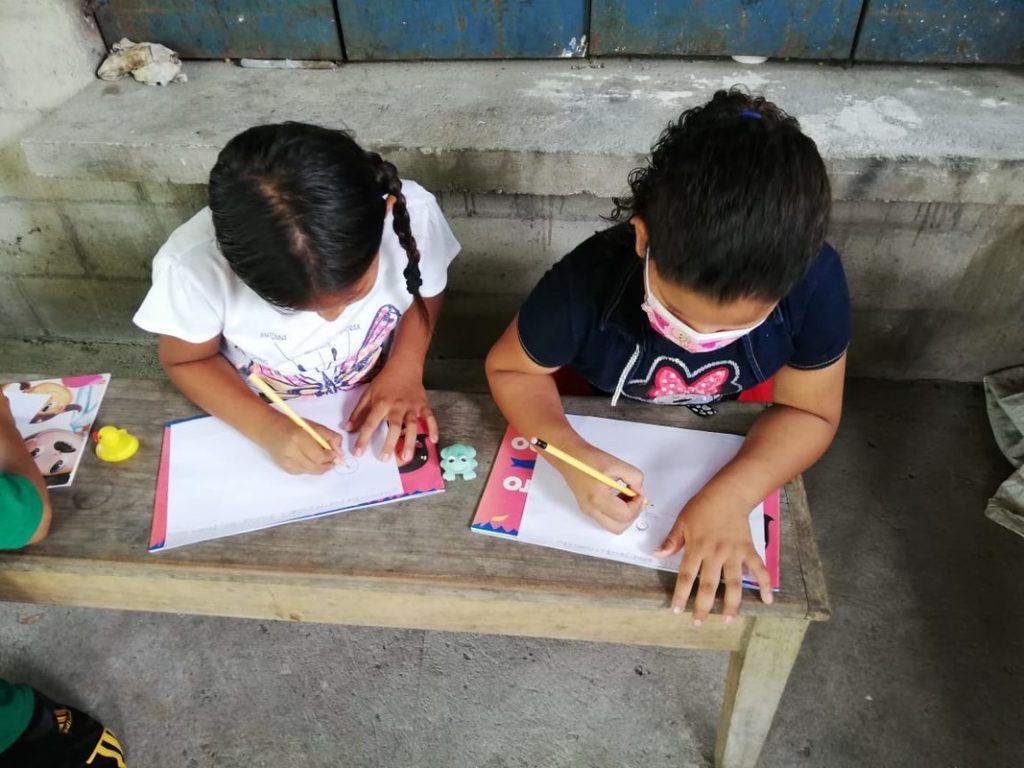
296 452
398 399
718 544
597 501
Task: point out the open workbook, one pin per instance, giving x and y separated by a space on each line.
214 482
527 500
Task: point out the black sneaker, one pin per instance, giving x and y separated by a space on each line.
63 737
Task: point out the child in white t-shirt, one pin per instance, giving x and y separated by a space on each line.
303 269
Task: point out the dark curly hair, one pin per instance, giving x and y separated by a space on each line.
299 212
735 198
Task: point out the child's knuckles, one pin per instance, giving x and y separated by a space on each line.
686 577
708 586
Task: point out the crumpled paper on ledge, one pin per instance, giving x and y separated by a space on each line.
149 63
1004 396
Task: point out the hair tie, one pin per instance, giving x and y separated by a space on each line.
750 114
413 279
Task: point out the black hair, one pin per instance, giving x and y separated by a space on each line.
735 197
299 212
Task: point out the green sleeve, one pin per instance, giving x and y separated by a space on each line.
21 510
17 703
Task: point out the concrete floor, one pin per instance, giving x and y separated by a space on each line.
921 664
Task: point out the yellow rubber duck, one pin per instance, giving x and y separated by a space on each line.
115 444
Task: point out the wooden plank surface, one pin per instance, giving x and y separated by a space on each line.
754 683
420 547
375 606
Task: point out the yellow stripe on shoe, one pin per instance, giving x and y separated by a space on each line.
108 746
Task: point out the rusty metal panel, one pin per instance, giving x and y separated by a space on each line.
259 29
463 29
801 29
943 31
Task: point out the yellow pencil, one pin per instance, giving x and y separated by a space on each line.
586 469
273 397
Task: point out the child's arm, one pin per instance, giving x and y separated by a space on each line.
787 439
207 379
396 394
527 396
15 460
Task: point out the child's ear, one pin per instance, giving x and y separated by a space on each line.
640 231
389 201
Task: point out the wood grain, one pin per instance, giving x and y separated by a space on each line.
754 683
421 547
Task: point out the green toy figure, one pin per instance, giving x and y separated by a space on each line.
459 461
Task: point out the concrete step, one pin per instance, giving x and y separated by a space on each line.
927 167
913 134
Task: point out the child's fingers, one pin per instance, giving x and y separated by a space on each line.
358 415
630 475
367 426
710 577
333 438
394 432
432 431
609 523
764 579
733 590
311 465
684 582
316 459
412 426
620 511
605 501
636 505
674 541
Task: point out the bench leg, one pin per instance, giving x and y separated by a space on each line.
753 686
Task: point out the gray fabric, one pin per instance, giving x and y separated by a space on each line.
1004 396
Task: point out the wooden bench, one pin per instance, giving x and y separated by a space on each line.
415 564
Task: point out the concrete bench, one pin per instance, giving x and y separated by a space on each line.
415 564
926 164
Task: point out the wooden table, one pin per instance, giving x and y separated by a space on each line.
415 564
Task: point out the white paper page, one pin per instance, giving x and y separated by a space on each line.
676 464
223 484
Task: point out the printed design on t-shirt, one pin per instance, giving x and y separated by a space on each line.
332 374
669 381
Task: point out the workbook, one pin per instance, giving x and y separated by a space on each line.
214 482
527 500
55 417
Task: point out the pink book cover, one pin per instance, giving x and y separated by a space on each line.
420 475
501 507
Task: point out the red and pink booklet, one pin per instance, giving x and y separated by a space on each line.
213 482
527 500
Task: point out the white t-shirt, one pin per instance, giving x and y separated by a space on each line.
196 296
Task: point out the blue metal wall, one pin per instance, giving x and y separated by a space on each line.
259 29
463 29
948 31
806 29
